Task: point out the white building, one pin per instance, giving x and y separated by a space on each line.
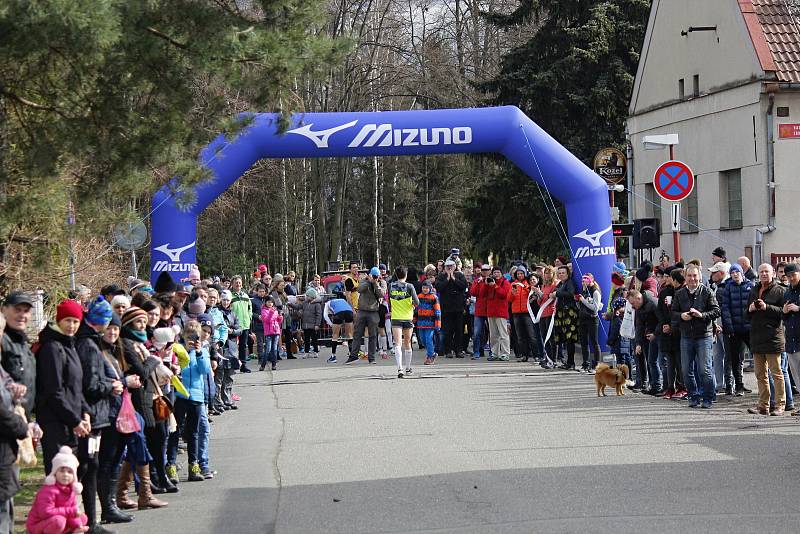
725 76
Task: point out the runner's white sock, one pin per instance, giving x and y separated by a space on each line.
407 354
398 356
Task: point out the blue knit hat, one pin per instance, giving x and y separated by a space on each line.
735 268
100 312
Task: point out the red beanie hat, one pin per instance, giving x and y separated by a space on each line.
69 308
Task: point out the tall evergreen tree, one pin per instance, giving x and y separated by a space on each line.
574 78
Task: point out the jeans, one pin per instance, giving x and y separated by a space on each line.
204 432
427 340
452 331
734 358
272 344
672 363
243 337
258 330
478 327
588 336
719 362
696 362
654 370
365 320
7 514
788 388
187 416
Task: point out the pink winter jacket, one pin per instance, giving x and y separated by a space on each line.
54 500
272 320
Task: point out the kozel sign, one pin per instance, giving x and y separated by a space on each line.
611 165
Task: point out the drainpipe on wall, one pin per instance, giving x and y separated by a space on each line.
758 250
631 213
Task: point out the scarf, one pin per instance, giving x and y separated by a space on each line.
136 335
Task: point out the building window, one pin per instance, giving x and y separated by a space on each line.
730 185
689 212
696 85
653 201
681 89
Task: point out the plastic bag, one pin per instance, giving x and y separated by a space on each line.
628 329
26 456
179 387
127 422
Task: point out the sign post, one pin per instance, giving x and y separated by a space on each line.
674 181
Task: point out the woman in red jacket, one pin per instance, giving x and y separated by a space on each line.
495 290
479 302
523 324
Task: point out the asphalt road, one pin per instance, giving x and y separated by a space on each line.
482 447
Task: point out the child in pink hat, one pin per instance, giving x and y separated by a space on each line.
55 510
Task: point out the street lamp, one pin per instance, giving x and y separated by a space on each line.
658 142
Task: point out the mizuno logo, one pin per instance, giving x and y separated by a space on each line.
385 135
321 137
586 252
164 265
173 253
593 239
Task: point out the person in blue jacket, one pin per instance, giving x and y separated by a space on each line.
732 297
187 410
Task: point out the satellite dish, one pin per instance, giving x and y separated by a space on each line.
130 236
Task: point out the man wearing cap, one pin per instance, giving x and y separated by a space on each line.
17 358
732 297
767 341
718 277
370 292
452 286
718 255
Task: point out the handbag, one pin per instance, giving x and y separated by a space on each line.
628 329
127 422
162 407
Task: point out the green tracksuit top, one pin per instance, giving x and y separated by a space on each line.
242 308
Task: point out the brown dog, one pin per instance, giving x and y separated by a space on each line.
606 376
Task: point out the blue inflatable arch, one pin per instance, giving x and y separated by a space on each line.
505 130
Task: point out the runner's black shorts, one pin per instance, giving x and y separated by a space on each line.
342 317
382 311
402 324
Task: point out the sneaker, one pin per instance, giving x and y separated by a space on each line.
660 393
448 355
274 367
194 474
208 474
694 403
244 369
460 354
680 394
399 373
428 361
789 408
235 398
746 389
668 394
758 411
491 358
776 412
172 473
504 358
332 359
739 392
549 365
373 362
706 405
384 355
351 359
408 371
476 357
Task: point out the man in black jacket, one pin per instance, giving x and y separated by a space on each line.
17 358
694 308
767 342
452 287
12 428
646 321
